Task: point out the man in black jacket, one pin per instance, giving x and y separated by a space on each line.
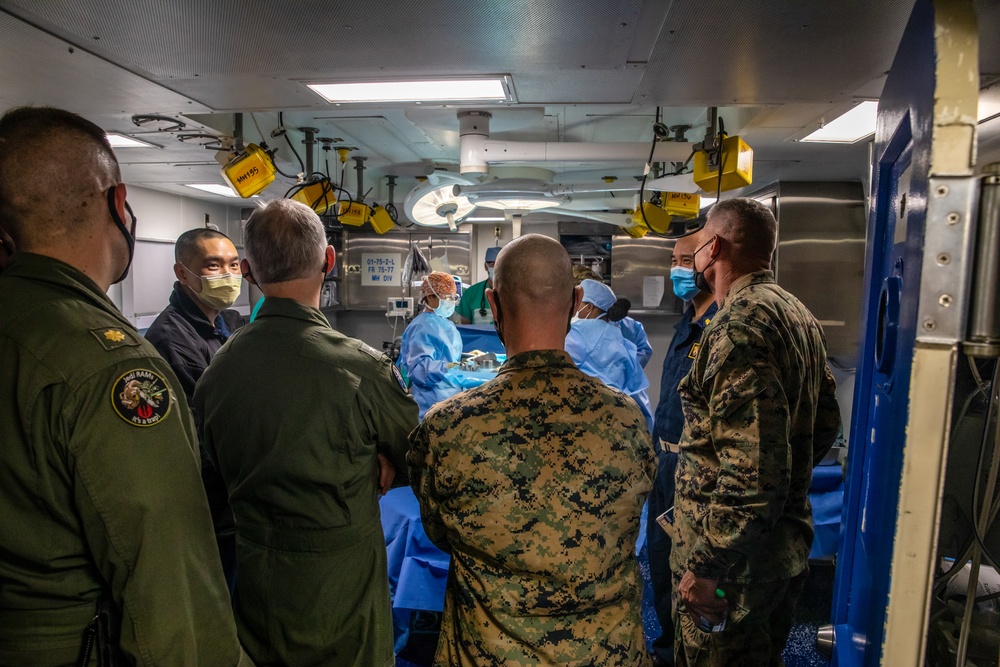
189 332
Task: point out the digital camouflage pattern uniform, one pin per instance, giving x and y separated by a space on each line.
100 494
535 482
295 414
760 411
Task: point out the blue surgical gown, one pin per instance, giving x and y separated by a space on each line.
600 350
634 332
429 344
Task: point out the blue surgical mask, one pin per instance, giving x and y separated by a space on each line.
683 280
489 272
445 308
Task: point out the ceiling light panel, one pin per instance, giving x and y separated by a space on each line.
214 188
494 89
122 141
850 127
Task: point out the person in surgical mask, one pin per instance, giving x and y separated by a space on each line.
599 349
473 307
631 328
188 333
431 348
700 308
198 318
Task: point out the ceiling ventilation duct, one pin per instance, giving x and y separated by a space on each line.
477 151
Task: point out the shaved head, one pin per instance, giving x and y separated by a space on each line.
534 275
748 225
54 169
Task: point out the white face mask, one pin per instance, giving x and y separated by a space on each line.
445 308
220 291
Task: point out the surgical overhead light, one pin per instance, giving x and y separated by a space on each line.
513 194
433 203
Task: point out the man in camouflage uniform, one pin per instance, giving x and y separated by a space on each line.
534 483
101 502
299 418
759 412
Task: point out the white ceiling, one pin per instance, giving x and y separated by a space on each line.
582 70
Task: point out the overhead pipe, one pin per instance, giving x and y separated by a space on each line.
477 151
359 166
310 142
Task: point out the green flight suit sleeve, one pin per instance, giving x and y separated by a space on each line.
749 428
140 500
391 414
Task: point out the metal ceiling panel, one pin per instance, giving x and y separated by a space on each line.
38 68
766 52
310 37
579 85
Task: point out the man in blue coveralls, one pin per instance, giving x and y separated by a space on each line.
668 424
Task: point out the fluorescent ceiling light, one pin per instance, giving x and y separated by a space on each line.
852 126
443 90
121 141
214 188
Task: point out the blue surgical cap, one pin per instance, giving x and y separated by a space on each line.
491 254
598 294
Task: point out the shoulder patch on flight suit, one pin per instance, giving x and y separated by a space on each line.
399 378
370 351
141 397
114 337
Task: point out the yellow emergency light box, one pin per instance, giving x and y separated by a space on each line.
250 171
638 228
681 204
319 196
353 213
655 218
380 219
737 167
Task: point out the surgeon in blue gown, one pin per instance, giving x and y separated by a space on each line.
598 348
631 329
634 332
431 348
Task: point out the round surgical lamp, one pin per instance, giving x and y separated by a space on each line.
434 204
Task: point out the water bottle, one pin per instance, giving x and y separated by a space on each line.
706 625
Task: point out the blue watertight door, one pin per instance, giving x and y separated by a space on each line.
922 174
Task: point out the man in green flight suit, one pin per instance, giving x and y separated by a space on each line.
534 482
760 410
307 426
101 503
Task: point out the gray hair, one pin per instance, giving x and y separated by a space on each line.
284 241
747 224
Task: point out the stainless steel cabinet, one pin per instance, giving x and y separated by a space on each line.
373 263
